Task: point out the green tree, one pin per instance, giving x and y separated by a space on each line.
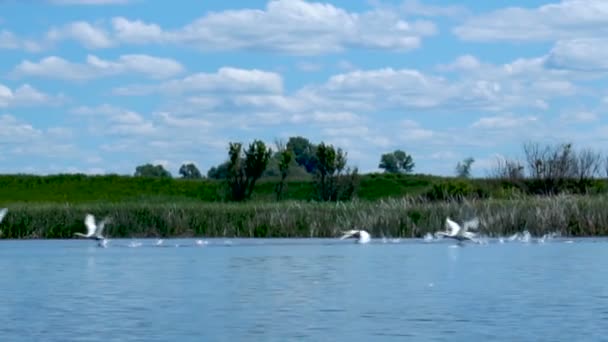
304 152
190 171
219 172
463 169
149 170
245 168
333 180
284 157
397 162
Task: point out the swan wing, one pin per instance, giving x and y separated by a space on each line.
89 221
350 233
3 212
101 226
471 224
453 227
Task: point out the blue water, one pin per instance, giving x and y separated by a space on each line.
303 290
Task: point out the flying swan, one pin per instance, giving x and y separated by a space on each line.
455 231
94 231
361 235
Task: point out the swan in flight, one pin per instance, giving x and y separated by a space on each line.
455 231
361 235
3 212
94 231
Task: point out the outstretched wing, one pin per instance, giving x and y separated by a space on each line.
101 226
89 221
3 212
471 224
452 226
350 233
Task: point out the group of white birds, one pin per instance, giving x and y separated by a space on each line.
453 231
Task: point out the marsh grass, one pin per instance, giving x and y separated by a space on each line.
405 217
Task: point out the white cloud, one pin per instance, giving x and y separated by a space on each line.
25 95
587 54
226 79
295 27
463 63
566 19
410 130
504 122
287 26
14 131
108 119
10 41
522 83
92 37
95 67
137 31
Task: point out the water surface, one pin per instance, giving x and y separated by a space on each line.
303 289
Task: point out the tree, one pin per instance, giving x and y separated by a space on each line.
304 152
149 170
244 169
507 169
219 172
463 169
333 180
284 157
190 171
397 162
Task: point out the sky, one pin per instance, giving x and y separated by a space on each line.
101 86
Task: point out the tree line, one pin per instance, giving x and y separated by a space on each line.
325 164
545 169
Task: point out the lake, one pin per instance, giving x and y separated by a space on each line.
303 290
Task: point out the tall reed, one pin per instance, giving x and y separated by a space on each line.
404 217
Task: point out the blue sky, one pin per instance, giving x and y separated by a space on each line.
101 86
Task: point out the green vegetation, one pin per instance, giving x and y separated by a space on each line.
304 189
570 215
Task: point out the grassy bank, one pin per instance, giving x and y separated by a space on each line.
570 215
114 188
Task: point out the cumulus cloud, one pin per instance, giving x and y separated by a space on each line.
522 83
566 19
585 54
226 79
25 95
95 67
295 27
92 37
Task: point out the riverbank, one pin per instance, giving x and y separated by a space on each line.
571 215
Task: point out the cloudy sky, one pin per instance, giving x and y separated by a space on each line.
101 86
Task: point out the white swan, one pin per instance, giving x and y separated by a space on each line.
361 235
93 231
454 231
3 212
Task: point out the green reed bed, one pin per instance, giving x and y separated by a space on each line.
406 217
